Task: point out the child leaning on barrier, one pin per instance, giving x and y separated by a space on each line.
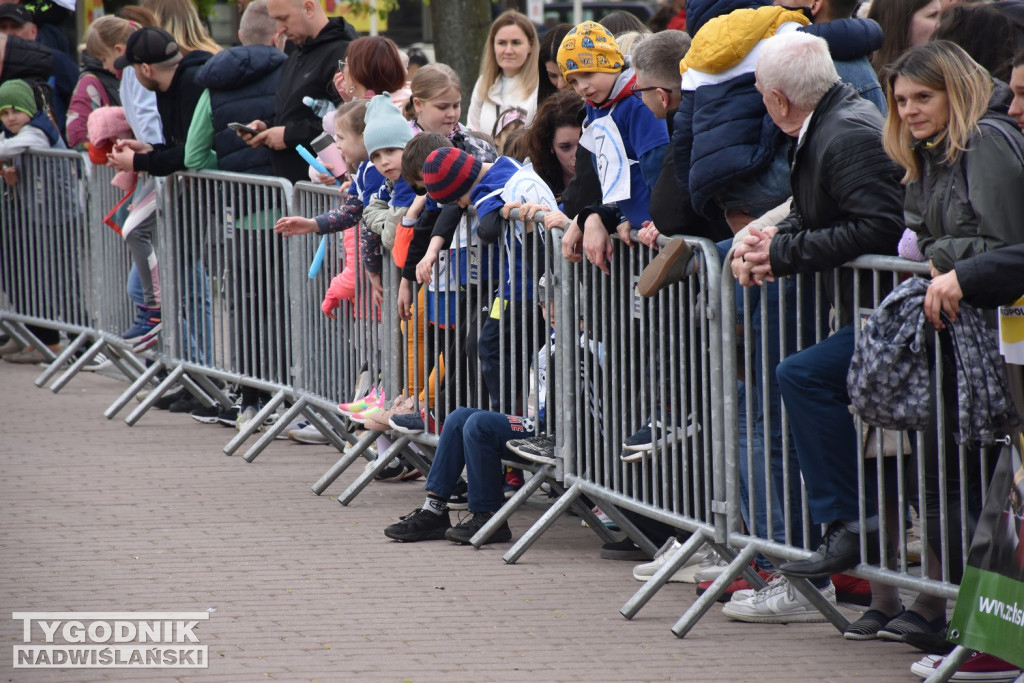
629 161
25 128
452 176
365 180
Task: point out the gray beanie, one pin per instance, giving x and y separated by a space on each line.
386 128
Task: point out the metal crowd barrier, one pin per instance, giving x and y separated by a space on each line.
632 363
695 363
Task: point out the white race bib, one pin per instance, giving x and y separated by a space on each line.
603 140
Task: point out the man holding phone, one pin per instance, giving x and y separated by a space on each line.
309 70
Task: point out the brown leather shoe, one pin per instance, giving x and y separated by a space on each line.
673 264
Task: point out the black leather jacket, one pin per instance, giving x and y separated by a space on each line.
847 197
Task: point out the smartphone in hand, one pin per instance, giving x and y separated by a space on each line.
242 128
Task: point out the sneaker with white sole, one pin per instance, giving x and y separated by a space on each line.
779 603
980 667
97 363
685 574
308 435
639 445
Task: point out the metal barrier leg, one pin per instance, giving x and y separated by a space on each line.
630 529
814 596
75 368
343 463
136 386
699 608
169 381
520 497
376 468
128 363
661 577
542 524
271 432
65 356
588 516
950 665
254 425
417 460
213 390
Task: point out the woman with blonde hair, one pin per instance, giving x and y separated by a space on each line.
181 20
508 75
963 158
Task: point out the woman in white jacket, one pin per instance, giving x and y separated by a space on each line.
508 73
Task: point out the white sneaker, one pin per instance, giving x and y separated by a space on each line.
702 559
780 603
298 424
98 362
309 435
711 569
744 593
245 416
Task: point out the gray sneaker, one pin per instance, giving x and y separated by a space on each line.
779 603
308 435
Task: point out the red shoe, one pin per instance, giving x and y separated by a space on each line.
851 589
980 667
739 584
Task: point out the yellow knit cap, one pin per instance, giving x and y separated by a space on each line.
589 48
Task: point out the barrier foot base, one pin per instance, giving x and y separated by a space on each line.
142 380
542 524
254 425
345 461
63 359
520 497
375 468
661 577
950 665
632 530
271 432
154 395
715 591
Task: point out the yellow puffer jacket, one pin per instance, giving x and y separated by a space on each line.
723 42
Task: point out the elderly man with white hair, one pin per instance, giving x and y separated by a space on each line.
847 201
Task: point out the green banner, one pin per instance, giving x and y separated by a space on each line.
989 613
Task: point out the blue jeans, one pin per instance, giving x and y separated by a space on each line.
134 287
197 324
475 439
813 385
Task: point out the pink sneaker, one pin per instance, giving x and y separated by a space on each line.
358 406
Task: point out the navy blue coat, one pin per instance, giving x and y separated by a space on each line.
243 83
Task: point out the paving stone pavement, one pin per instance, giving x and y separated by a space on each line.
98 516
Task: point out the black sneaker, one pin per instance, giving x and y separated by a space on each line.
420 525
624 550
467 530
185 405
170 398
208 416
228 417
538 449
459 500
408 423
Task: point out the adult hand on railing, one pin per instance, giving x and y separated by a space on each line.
123 155
597 243
648 235
944 294
405 299
751 260
527 211
571 241
290 226
556 219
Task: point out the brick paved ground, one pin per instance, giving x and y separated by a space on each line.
97 516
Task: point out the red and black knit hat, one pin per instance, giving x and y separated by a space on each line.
449 173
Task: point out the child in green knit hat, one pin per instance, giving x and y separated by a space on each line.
24 128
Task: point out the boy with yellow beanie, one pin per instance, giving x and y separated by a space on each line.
628 142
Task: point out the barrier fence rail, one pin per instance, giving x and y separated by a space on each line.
509 326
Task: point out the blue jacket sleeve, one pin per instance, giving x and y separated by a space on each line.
848 38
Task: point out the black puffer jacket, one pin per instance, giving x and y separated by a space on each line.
309 70
176 107
847 197
25 59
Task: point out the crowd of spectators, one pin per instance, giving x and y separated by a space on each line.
797 135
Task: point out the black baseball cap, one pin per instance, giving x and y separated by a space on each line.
149 45
18 13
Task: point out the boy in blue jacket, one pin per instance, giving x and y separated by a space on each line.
628 142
